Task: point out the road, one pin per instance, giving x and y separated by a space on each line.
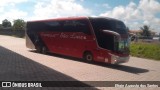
18 63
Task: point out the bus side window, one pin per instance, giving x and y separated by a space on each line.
53 26
76 26
83 26
68 26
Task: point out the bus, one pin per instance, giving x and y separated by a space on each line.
100 39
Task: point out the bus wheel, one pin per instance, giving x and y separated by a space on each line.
38 49
44 50
88 56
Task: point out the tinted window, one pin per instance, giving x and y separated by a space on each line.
44 26
53 26
107 24
120 27
101 24
76 26
60 26
104 41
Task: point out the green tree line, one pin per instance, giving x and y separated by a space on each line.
146 32
18 24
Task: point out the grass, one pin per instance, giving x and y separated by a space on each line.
146 50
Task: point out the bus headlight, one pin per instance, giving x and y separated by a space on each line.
114 59
117 59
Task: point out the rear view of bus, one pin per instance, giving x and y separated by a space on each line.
98 39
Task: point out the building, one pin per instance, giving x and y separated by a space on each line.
138 32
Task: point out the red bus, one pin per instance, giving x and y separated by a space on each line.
99 39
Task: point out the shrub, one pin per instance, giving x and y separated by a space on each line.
146 50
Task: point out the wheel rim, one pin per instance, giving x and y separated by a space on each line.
38 49
44 50
89 57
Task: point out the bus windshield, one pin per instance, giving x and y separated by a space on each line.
123 46
107 41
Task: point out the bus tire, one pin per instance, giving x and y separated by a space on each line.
44 50
88 56
38 49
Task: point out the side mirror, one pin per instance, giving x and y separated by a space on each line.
117 35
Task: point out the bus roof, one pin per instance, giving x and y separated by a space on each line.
59 19
73 18
108 18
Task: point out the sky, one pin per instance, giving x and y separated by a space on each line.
134 13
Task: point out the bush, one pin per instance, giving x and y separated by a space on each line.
146 50
10 32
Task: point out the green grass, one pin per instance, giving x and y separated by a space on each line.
145 50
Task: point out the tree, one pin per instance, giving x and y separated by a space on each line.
19 24
146 32
6 23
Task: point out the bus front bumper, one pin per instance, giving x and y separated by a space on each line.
117 59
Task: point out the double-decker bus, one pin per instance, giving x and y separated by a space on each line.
99 39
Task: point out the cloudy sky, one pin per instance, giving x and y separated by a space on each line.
135 13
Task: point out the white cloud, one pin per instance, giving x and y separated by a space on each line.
124 13
15 14
59 8
7 2
42 9
9 11
137 15
134 15
1 9
149 6
118 12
